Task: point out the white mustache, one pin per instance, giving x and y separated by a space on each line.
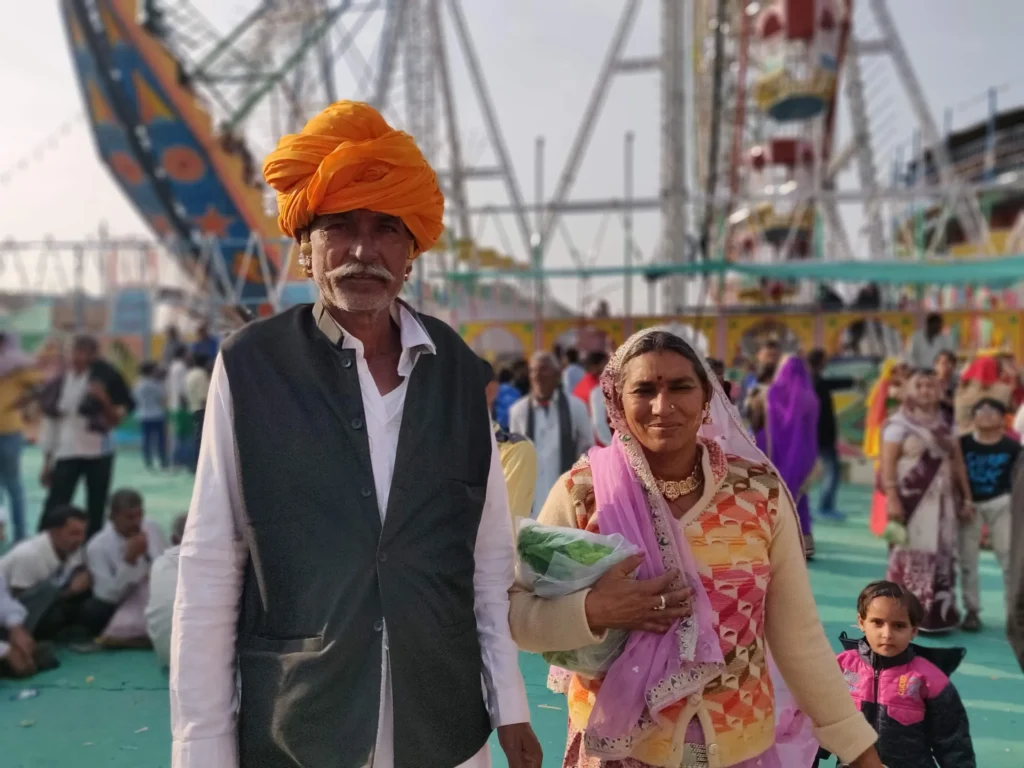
368 271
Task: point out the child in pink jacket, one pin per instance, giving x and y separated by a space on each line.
900 687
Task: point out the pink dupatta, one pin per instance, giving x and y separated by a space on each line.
654 671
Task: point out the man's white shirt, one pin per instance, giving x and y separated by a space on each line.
204 695
547 438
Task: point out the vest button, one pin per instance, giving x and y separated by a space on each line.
366 493
357 423
382 556
346 362
378 626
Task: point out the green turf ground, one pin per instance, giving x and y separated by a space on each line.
111 710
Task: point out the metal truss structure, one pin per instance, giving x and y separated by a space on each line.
876 78
281 62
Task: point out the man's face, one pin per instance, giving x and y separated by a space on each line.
69 537
128 521
543 377
81 357
360 259
491 393
943 367
767 356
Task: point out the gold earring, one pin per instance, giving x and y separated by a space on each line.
306 256
707 415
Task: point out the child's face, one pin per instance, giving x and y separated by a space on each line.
887 627
987 418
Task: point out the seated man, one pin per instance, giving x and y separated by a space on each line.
119 559
47 573
17 648
163 581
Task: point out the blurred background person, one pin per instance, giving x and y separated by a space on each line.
18 378
989 456
926 343
588 392
81 409
921 472
518 457
558 425
982 379
573 371
828 431
163 583
151 413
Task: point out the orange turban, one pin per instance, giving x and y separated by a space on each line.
347 158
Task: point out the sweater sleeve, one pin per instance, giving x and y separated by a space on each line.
519 464
797 642
557 624
948 730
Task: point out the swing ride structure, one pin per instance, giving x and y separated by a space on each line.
773 174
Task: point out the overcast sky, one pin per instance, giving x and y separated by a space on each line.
540 58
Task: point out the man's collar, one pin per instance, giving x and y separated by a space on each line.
52 548
554 398
414 335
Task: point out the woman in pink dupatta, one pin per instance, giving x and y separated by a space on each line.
721 577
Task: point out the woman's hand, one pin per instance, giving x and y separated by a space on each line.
619 602
869 759
966 511
894 507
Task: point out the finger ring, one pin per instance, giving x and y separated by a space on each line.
662 605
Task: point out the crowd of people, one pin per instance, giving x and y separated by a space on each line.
346 589
86 576
113 590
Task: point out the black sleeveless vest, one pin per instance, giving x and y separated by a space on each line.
324 576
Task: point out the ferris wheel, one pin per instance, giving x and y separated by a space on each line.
184 97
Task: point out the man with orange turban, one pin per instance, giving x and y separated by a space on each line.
348 551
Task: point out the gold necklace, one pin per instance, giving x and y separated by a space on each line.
673 489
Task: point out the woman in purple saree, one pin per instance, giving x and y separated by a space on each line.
924 480
788 435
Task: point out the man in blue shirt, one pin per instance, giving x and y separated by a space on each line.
205 344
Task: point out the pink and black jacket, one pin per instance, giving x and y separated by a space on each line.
911 703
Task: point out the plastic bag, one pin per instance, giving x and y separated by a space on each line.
557 561
593 660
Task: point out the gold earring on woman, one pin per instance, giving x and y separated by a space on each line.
707 414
